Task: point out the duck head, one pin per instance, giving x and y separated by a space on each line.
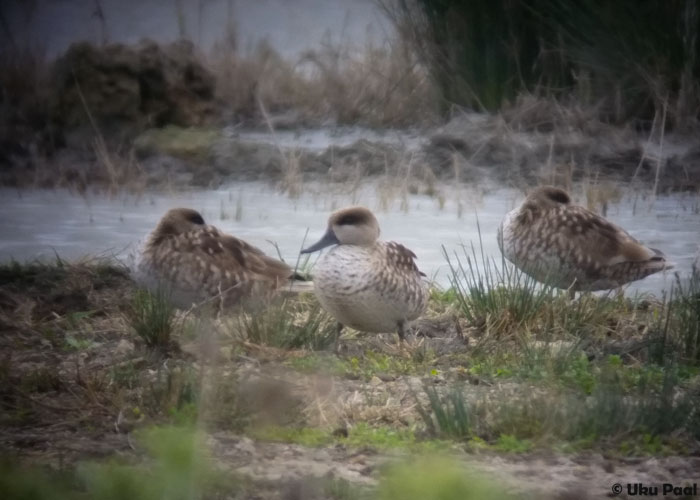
549 196
177 221
348 226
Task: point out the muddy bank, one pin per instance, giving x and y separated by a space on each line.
154 116
77 384
469 150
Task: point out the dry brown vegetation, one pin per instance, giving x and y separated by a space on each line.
532 140
377 86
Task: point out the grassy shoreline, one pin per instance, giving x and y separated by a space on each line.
602 375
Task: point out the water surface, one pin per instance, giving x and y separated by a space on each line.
42 224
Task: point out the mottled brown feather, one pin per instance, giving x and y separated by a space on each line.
551 238
401 258
202 259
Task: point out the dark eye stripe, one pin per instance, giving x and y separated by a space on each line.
195 218
350 220
559 196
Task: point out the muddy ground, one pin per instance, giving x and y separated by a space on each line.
469 149
77 383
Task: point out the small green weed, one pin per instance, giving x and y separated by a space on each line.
174 392
447 416
362 434
435 478
684 309
359 435
125 375
305 436
77 344
291 324
314 363
152 317
372 363
511 444
75 319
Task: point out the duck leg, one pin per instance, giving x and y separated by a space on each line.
338 330
401 331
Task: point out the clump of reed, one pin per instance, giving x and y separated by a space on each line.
152 316
640 411
291 323
374 85
625 60
493 293
682 320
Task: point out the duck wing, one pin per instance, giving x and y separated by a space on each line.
401 258
239 257
591 238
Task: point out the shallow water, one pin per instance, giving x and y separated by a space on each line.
41 224
320 139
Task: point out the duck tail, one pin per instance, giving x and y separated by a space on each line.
658 261
298 283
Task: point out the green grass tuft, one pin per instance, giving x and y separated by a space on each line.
496 295
291 324
684 309
616 405
152 317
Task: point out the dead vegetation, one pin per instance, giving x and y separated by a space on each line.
162 132
376 85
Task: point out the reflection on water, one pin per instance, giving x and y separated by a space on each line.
40 224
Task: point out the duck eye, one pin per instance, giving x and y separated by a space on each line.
195 218
559 196
349 220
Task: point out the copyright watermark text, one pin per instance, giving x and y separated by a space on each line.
665 489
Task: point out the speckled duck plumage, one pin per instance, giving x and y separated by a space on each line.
195 262
570 247
366 284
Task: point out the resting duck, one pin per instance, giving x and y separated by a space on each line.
196 262
570 247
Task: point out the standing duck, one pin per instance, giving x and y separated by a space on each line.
366 284
570 247
196 263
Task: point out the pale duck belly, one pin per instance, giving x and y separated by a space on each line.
345 282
